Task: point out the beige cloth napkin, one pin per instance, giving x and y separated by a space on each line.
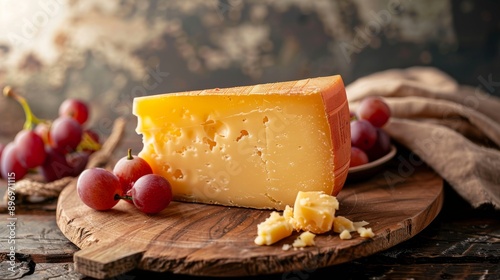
454 128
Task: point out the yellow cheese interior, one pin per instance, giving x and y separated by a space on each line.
254 150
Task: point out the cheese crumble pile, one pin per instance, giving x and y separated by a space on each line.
313 213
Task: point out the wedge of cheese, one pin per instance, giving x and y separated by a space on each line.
252 146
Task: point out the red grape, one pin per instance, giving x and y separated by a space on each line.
129 169
43 129
77 161
358 157
65 134
9 165
381 147
30 149
99 189
363 134
375 110
151 193
74 108
55 166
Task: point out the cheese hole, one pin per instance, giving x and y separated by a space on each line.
182 150
165 168
213 128
174 132
265 119
184 113
208 126
211 144
243 133
214 189
178 175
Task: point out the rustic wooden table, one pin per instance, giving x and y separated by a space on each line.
461 243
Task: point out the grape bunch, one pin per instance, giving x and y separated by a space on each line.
131 179
54 148
369 141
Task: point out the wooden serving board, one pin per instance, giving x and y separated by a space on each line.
209 240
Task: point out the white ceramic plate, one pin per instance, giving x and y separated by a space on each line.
371 168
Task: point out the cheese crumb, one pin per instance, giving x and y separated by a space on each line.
360 224
345 234
313 211
286 247
341 224
365 232
305 239
345 226
273 229
288 213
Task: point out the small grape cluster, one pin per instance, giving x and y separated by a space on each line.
131 179
369 141
54 148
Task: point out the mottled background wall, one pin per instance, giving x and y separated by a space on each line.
108 52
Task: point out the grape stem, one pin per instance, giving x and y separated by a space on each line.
88 143
125 197
31 119
129 154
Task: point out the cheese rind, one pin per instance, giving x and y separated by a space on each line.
250 146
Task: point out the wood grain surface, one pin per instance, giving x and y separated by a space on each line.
208 240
